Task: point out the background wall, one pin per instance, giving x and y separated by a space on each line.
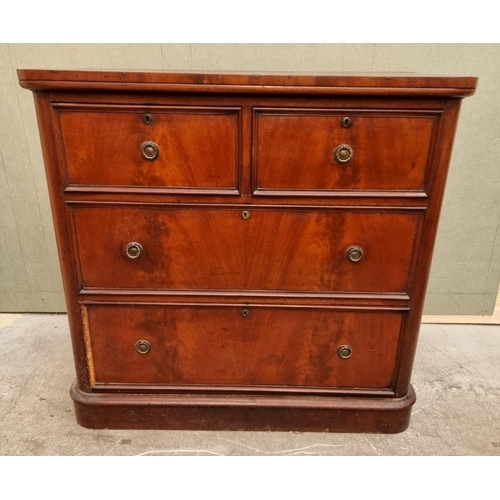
466 266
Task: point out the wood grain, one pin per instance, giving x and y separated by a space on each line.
215 249
198 147
262 82
222 134
294 150
240 413
217 345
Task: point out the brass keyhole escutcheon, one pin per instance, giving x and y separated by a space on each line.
148 119
344 351
142 346
346 122
245 313
354 254
134 250
150 150
245 215
343 153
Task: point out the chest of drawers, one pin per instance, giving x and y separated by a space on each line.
245 251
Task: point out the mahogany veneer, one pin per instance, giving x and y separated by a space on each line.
245 251
213 249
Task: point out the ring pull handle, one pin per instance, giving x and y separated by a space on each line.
354 254
343 153
344 351
134 250
150 150
142 346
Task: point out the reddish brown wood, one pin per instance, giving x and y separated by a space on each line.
440 158
267 141
219 346
243 413
63 238
294 150
216 249
268 83
198 148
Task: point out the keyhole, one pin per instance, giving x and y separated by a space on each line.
346 122
148 119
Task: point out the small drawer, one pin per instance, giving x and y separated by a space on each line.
292 250
174 149
302 151
245 345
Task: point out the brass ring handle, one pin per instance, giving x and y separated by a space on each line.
134 250
354 254
344 351
150 150
142 346
343 153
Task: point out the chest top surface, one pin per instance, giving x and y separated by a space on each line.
257 82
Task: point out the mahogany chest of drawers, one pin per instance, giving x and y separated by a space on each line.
245 251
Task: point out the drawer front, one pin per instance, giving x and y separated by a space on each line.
310 150
251 249
194 148
211 345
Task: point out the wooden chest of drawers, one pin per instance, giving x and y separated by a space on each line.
245 251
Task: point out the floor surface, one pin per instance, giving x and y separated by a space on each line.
456 377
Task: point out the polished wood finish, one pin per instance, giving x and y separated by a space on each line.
198 148
243 413
294 150
242 83
243 291
212 345
203 248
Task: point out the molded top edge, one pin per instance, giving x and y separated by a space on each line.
261 82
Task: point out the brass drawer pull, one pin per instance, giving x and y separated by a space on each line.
344 351
150 150
142 346
343 153
354 254
134 250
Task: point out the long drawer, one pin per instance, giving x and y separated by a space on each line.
242 345
244 249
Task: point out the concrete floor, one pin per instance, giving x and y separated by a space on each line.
456 377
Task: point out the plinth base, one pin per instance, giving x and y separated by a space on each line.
237 412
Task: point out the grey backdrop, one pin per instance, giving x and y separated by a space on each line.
466 266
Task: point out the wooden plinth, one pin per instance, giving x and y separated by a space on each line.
236 413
